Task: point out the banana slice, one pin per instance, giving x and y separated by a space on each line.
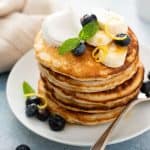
115 27
100 38
112 55
115 23
116 56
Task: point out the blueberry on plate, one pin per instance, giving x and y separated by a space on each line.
145 87
56 122
148 75
22 147
31 110
123 42
147 94
33 100
87 19
79 50
42 114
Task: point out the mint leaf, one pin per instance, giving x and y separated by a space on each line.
89 30
69 45
27 89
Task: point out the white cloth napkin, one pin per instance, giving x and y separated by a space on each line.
20 20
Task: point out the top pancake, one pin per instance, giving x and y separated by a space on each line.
83 67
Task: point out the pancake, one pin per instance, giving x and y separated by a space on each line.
83 68
101 109
71 103
89 86
120 91
78 117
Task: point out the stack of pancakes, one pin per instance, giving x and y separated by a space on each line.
83 91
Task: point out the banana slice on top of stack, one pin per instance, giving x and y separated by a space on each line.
110 55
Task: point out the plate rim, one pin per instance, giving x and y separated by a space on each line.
51 137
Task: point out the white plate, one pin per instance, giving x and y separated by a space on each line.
134 124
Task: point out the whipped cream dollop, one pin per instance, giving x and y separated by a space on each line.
61 26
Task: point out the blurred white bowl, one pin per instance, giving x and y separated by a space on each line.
143 9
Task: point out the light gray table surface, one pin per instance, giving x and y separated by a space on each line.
13 133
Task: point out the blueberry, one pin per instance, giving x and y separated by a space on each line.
42 114
22 147
147 94
31 110
79 50
123 42
87 19
148 75
56 122
145 87
33 100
